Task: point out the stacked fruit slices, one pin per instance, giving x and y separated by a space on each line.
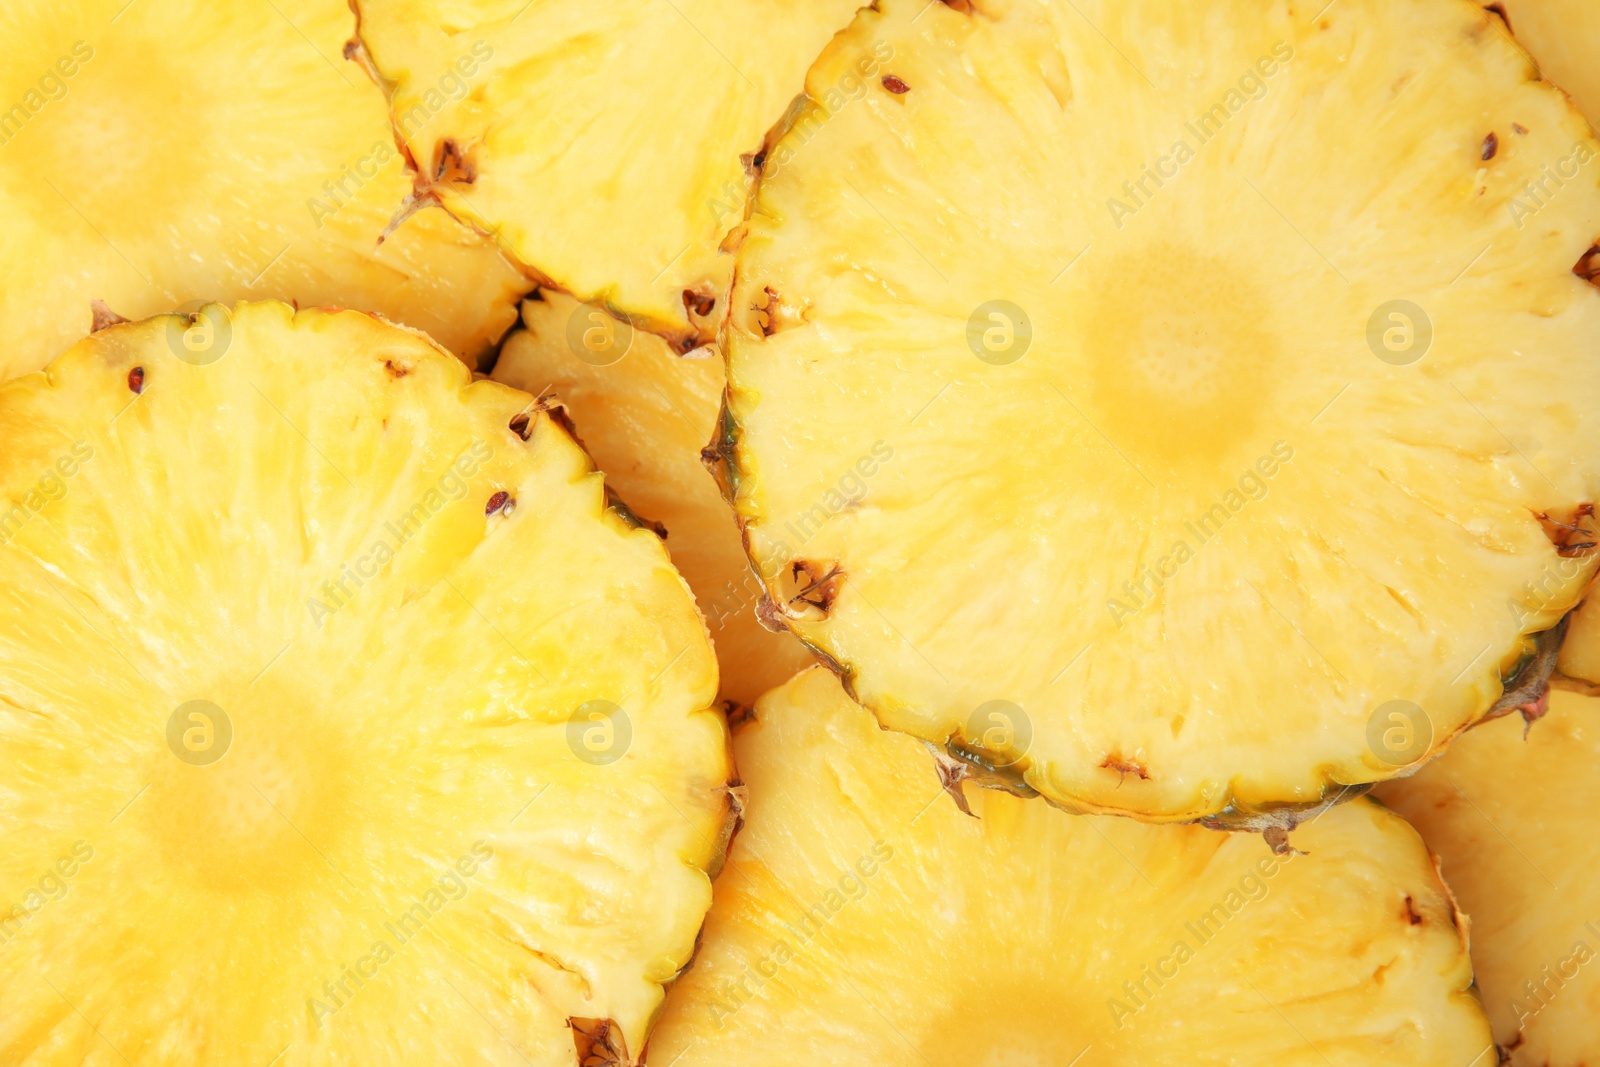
1508 813
644 412
910 933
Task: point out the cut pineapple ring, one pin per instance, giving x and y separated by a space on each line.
1213 373
1564 37
602 142
644 413
167 152
1510 812
341 724
909 935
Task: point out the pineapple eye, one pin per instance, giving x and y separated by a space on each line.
810 588
136 380
451 165
1124 766
598 1042
698 303
766 312
1588 266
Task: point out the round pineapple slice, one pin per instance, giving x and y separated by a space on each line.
1564 37
601 143
1510 813
644 413
1231 390
910 934
165 153
341 724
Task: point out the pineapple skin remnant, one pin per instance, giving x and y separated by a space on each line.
343 720
605 145
159 155
1510 813
644 413
908 934
1258 402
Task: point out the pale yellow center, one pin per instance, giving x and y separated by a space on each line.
265 815
1182 356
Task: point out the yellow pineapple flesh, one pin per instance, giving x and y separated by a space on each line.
644 413
165 153
343 721
862 919
1564 37
601 143
1510 812
1231 391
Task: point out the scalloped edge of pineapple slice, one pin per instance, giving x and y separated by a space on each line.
1526 689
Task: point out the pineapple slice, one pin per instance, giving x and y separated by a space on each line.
1580 652
160 154
601 142
1564 37
340 724
1212 381
909 934
1510 812
644 413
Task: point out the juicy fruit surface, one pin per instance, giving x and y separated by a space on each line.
1171 473
394 833
644 413
600 143
1564 38
1580 652
862 919
1510 815
169 152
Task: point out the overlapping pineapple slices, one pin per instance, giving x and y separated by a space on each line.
863 919
645 412
601 143
1564 37
1510 810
